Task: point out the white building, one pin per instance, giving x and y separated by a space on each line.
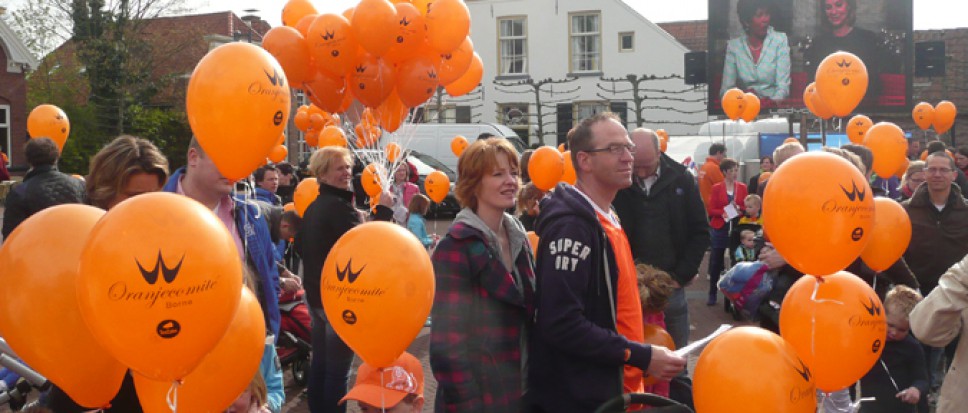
580 40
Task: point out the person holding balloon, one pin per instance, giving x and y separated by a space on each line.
325 220
403 191
726 204
758 61
484 301
43 186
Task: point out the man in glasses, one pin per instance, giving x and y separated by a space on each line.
586 346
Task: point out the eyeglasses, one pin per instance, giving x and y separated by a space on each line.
936 171
614 149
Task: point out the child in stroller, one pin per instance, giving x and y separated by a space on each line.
293 346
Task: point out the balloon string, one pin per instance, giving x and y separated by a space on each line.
172 397
383 403
874 284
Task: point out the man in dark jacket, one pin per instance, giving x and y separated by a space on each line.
665 221
43 186
577 356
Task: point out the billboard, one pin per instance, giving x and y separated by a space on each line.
772 48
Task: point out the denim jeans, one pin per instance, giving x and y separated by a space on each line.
677 317
329 368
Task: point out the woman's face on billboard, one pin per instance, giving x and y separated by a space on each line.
760 22
837 12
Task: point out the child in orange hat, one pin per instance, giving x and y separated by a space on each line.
397 388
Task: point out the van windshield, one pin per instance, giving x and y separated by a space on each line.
426 164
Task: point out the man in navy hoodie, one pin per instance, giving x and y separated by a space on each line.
577 356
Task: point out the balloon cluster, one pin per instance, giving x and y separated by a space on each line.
941 116
739 105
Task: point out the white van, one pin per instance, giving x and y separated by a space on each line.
434 138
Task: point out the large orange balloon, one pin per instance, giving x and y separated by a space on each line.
837 325
392 112
453 64
306 192
568 174
886 140
371 80
923 115
223 374
373 23
294 10
332 44
417 81
890 235
729 376
831 195
841 82
278 153
372 179
289 47
238 105
49 121
469 80
448 23
40 317
944 116
815 104
458 145
411 31
365 290
437 186
857 128
157 303
546 167
734 103
752 108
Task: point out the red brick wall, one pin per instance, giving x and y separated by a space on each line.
13 92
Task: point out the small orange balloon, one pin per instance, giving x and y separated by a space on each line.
886 141
448 24
372 22
815 104
923 115
568 175
332 136
371 80
841 82
890 235
294 10
455 63
372 179
752 108
561 148
546 167
533 240
290 48
312 138
458 144
656 336
393 151
366 135
836 324
857 128
734 103
289 206
437 185
469 80
306 192
791 140
301 120
49 121
944 116
303 25
278 154
332 44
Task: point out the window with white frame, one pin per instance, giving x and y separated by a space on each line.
513 45
5 130
585 45
585 110
447 113
626 42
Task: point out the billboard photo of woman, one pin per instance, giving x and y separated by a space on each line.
758 61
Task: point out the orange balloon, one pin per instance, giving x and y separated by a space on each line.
841 82
836 324
372 22
903 169
294 10
371 80
411 30
306 192
729 375
764 176
325 91
437 186
223 374
393 151
469 80
372 179
857 128
886 140
40 316
890 235
561 148
290 49
161 327
348 13
453 64
458 145
944 116
392 112
373 325
656 336
278 153
923 115
546 167
301 120
332 44
289 207
252 101
49 121
834 197
752 108
312 138
417 81
791 139
734 103
332 136
533 240
568 174
448 23
815 104
366 135
303 25
423 6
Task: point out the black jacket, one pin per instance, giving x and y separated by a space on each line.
667 228
939 239
43 187
324 222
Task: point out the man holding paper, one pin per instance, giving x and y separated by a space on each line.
725 202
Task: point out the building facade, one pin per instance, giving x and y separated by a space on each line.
15 62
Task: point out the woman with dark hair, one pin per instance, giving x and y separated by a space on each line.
724 195
961 158
838 19
758 61
766 165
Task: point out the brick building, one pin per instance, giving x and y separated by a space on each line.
15 62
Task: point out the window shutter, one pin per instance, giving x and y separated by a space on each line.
463 114
565 121
620 109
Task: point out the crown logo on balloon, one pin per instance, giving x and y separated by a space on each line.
404 21
873 309
274 78
844 63
854 193
169 274
360 69
328 35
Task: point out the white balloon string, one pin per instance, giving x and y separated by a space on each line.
172 397
383 402
874 284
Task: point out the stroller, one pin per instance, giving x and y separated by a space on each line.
16 379
659 404
293 347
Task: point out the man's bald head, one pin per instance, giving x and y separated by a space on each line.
646 153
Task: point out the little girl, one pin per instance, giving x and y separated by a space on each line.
655 288
418 207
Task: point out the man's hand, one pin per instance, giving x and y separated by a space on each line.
910 395
665 364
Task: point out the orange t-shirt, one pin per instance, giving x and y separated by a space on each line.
628 306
